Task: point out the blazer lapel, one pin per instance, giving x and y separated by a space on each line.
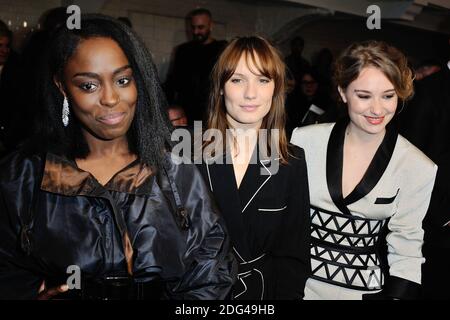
335 156
377 166
223 184
257 175
335 160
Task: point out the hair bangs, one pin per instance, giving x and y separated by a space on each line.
262 59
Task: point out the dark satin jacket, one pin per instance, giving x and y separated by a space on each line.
54 215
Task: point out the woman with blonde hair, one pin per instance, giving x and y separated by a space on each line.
369 185
258 179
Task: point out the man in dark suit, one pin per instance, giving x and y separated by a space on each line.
9 64
436 249
426 123
188 81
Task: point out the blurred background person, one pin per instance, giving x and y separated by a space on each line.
323 64
306 104
188 80
9 74
425 121
426 68
5 44
20 86
177 116
296 64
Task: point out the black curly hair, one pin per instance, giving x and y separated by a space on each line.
149 134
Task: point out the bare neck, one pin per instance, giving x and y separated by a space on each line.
117 148
356 136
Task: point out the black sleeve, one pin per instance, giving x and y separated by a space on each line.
17 278
438 213
416 118
424 121
293 265
210 267
176 76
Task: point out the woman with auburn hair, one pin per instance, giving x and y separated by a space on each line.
370 187
263 198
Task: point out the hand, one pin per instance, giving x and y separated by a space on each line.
47 294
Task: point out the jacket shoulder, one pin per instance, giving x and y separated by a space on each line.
415 158
221 43
20 166
184 172
302 135
296 152
435 80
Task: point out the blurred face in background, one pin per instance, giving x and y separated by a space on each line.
309 85
426 71
4 49
297 47
201 27
177 117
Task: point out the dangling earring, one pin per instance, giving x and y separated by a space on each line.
65 112
221 92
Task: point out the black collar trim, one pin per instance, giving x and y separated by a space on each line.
376 169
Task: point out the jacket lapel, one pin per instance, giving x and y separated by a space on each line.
235 202
62 176
376 169
256 176
377 166
223 184
335 160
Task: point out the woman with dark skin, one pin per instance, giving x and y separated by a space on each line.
98 190
104 100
